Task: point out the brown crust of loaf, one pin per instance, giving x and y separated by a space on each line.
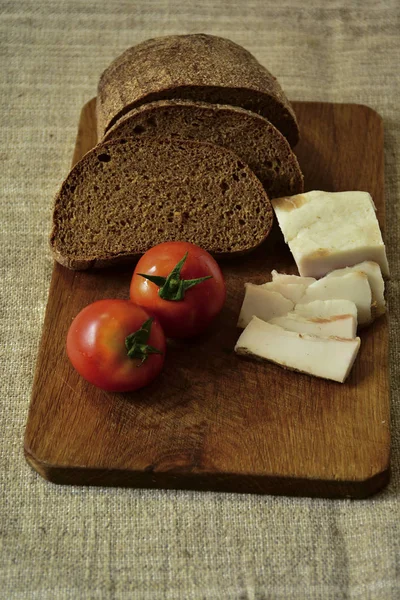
192 67
76 224
249 135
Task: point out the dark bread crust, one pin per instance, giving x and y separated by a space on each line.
196 67
250 136
128 194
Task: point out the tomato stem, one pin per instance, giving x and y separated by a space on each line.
136 343
173 287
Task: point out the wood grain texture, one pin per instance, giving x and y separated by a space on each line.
214 421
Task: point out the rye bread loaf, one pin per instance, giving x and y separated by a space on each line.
195 67
127 195
250 136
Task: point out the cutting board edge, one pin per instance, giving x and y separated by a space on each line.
222 482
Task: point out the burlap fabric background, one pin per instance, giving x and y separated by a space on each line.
66 542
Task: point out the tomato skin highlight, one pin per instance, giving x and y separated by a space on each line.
96 346
202 303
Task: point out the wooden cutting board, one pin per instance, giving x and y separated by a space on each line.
214 421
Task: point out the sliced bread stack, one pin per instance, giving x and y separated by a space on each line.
252 137
191 147
207 88
194 67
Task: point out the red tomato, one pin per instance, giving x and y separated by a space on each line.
100 337
183 302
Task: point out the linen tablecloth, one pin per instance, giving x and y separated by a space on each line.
69 542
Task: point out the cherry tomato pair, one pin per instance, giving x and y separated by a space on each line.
119 345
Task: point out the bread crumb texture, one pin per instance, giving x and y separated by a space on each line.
128 195
250 136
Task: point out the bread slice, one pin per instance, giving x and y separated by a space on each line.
127 195
250 136
195 67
